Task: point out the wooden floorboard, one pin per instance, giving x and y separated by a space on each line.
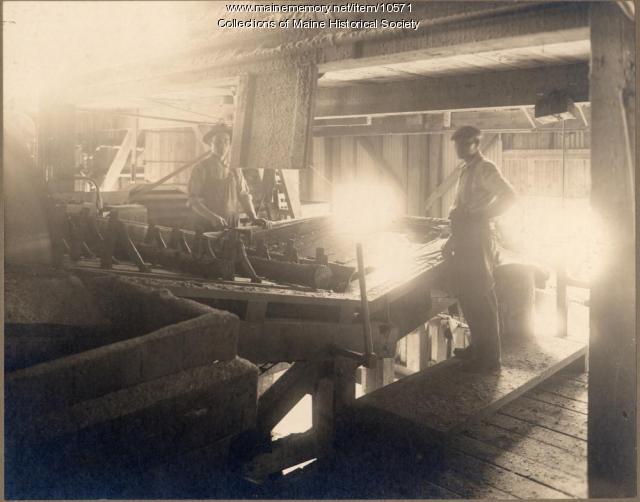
557 400
531 430
544 448
571 389
485 473
524 466
476 394
572 375
528 447
461 485
552 417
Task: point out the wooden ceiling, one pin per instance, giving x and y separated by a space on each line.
362 71
461 64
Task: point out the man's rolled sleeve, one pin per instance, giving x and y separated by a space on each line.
493 181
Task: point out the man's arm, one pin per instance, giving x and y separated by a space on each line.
198 206
504 195
246 200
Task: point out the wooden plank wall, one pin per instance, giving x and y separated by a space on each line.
540 172
532 162
166 149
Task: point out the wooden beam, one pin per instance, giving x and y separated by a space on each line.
612 431
490 121
513 88
542 25
290 340
126 148
381 162
284 394
379 376
242 120
203 67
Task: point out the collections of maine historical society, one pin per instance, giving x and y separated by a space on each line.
320 8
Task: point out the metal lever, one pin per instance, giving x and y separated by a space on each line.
369 358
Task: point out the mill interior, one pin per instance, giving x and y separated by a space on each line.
314 342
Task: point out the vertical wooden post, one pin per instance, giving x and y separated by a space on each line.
562 306
335 389
612 351
418 349
381 375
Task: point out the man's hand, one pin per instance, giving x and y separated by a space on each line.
447 249
262 222
459 213
218 221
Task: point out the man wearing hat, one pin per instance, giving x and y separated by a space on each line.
482 195
215 190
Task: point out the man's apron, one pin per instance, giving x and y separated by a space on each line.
220 196
474 250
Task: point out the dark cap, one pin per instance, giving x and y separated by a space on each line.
216 129
466 133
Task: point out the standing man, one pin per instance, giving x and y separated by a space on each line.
215 190
482 195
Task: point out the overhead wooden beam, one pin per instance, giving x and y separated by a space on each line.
513 88
546 24
203 67
489 121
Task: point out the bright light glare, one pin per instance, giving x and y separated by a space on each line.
48 43
361 208
545 230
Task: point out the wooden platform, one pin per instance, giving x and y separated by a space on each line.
533 448
441 400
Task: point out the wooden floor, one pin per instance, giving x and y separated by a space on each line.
535 447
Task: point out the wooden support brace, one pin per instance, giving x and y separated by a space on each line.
334 391
284 394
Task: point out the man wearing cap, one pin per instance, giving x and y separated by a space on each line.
482 195
215 190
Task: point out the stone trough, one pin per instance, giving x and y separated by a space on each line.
105 377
